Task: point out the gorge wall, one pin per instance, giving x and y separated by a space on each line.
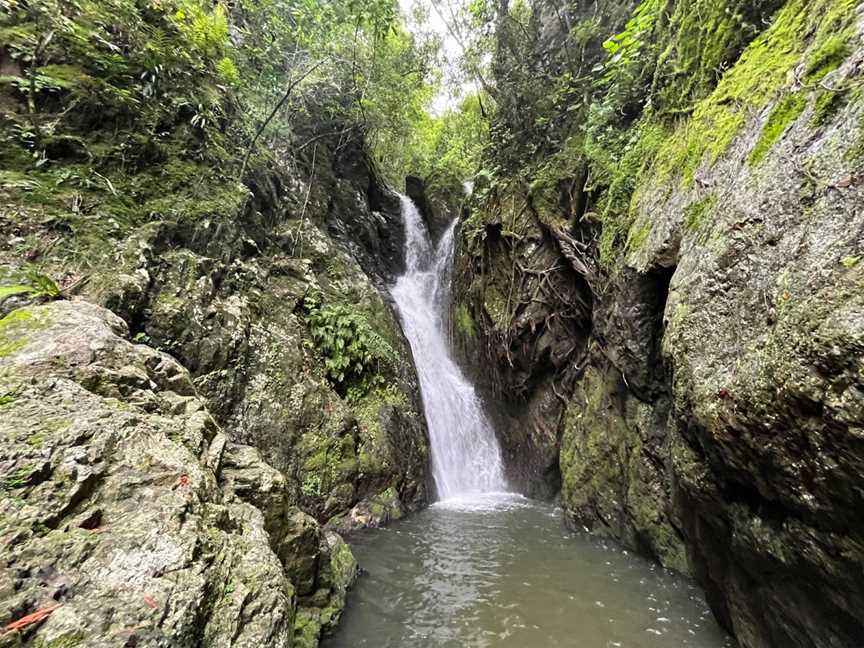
659 286
204 382
662 276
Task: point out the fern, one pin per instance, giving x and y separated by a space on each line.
346 341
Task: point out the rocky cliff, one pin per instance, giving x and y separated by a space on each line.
203 378
670 295
127 511
203 382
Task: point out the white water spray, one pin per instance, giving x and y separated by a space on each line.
466 459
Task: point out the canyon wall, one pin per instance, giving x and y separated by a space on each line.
668 290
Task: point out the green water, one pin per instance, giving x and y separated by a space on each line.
504 572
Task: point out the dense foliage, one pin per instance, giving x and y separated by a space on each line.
590 97
120 112
135 110
346 341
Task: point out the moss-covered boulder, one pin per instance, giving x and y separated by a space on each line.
127 513
112 508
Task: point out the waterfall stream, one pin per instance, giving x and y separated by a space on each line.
466 459
485 568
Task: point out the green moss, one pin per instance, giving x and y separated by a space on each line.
366 403
633 154
18 478
343 564
784 114
765 67
36 440
827 104
696 212
850 262
855 154
702 38
386 505
12 338
307 628
465 324
318 473
47 428
638 237
828 56
69 641
678 319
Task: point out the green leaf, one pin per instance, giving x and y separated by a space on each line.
9 291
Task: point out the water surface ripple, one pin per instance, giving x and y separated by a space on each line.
502 571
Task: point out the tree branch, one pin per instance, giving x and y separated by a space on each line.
266 122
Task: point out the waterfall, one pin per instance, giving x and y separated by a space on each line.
466 459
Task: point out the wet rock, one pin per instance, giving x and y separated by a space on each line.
614 465
123 504
437 220
520 321
375 511
731 430
339 572
234 313
765 339
109 505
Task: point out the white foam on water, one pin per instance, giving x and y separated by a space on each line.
491 502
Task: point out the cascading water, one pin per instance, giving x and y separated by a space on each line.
484 568
466 459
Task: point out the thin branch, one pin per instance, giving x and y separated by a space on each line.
453 27
273 113
299 236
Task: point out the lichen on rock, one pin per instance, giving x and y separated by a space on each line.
112 502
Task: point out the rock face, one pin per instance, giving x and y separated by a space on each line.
765 342
290 410
437 216
521 312
126 510
312 433
709 407
244 328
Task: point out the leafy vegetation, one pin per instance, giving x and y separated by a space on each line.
464 322
119 113
698 212
648 92
28 282
122 112
346 340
